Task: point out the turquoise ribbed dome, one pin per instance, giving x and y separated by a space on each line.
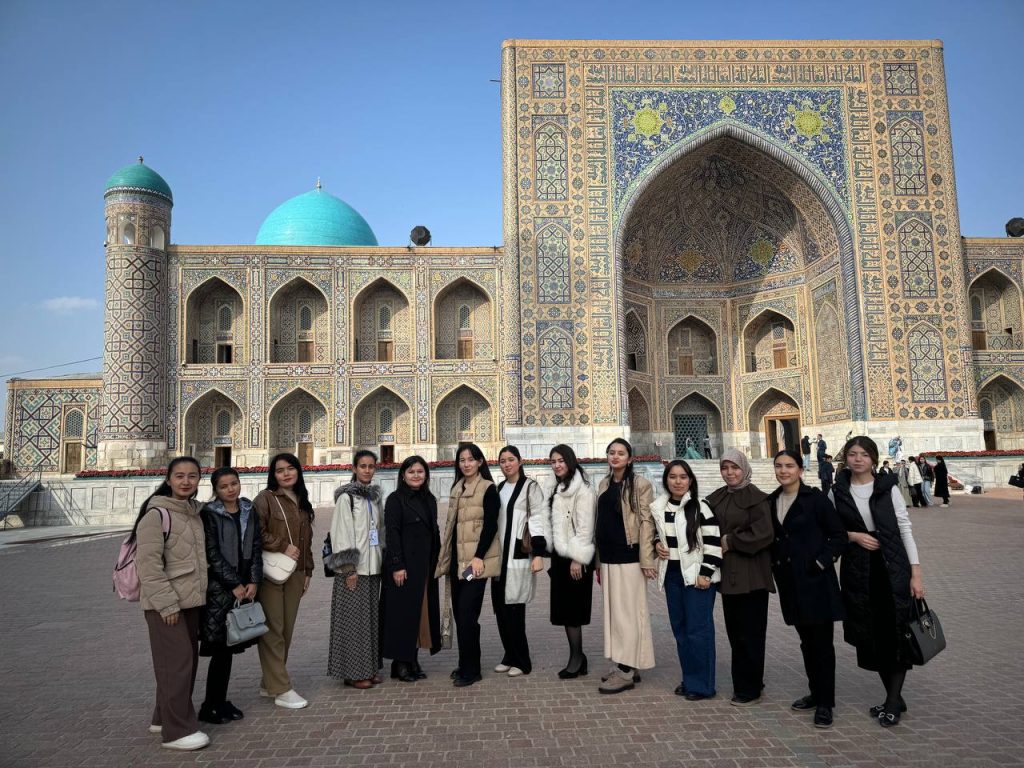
138 176
315 218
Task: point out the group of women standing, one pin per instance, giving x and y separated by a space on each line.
387 558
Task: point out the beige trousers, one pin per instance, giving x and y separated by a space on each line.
627 624
281 605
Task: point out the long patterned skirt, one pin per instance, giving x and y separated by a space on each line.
355 629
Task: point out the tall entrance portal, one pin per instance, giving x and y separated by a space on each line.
733 297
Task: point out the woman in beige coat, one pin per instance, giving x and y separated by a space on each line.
171 563
470 553
625 549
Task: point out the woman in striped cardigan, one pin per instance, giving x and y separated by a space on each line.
690 552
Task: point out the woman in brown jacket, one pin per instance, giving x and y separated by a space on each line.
171 563
744 517
286 522
470 553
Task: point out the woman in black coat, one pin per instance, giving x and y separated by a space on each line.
941 480
232 538
413 546
809 538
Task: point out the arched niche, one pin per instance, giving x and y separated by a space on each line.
297 424
382 420
692 348
215 325
382 326
995 306
769 343
214 429
1001 405
464 415
636 343
639 411
693 418
299 324
463 323
774 422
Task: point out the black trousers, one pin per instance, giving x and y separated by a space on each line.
819 654
467 601
746 622
511 620
217 677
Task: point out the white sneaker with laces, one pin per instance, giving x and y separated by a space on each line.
514 671
196 740
290 700
501 667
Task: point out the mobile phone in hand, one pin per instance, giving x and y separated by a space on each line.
467 573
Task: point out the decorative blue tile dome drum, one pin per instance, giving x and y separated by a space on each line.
138 176
315 218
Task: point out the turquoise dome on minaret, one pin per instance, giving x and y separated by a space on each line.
139 177
315 218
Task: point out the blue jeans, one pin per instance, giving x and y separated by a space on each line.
691 613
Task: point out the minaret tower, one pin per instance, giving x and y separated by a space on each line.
137 206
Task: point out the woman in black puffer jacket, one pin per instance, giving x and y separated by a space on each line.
234 556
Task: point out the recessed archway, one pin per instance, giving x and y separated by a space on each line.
463 322
995 307
692 348
382 323
215 325
297 424
774 423
299 324
769 343
464 415
695 418
214 429
381 421
1001 405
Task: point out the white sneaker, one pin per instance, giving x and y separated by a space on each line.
266 694
514 671
502 668
196 740
156 729
290 700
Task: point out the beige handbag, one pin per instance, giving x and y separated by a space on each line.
277 566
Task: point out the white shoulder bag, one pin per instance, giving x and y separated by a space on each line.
277 566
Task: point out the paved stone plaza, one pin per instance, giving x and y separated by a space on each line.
78 684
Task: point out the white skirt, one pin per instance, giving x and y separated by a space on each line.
627 624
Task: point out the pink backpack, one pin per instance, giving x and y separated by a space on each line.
126 574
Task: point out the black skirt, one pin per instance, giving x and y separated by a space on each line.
886 650
570 599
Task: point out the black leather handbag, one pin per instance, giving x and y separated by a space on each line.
1016 481
923 634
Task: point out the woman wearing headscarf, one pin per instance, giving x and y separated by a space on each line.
941 480
744 518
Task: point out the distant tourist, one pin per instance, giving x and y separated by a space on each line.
886 468
927 478
173 579
914 481
357 544
286 522
880 573
234 549
821 448
825 473
941 480
903 482
707 446
805 449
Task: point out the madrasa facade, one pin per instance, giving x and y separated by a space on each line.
741 240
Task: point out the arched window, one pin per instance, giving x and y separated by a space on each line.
464 316
305 421
223 423
157 238
465 419
976 314
224 319
305 318
74 423
128 234
387 421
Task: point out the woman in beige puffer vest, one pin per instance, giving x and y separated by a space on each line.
470 553
173 577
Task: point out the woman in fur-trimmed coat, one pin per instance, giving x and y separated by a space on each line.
357 541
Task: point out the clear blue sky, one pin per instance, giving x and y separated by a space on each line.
241 105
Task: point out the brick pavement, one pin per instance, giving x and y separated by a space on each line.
77 682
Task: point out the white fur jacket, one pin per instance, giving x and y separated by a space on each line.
573 512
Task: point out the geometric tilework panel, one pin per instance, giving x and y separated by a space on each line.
298 313
907 143
452 323
383 409
995 310
551 157
37 414
215 315
205 422
556 390
295 409
832 377
464 407
382 314
901 79
553 261
917 259
927 369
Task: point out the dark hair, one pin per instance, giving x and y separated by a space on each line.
476 453
628 491
299 489
572 464
164 489
939 460
791 454
404 486
220 472
362 455
692 506
861 441
511 449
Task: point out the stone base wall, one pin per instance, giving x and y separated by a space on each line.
131 454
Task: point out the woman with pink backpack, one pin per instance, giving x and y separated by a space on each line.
171 562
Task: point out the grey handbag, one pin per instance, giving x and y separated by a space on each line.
246 621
